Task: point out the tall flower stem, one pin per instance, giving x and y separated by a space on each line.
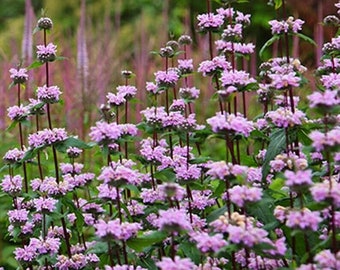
21 138
329 172
38 154
126 121
55 158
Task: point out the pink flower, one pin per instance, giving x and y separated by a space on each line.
116 229
171 191
187 173
18 216
322 191
243 194
322 141
298 178
127 91
283 117
12 184
201 199
331 81
280 27
303 219
326 99
18 113
232 32
153 88
13 155
236 78
46 137
45 205
48 94
18 75
282 81
232 123
115 99
210 67
209 243
185 66
107 192
227 13
154 115
176 264
46 53
219 169
210 21
173 220
25 254
104 133
167 78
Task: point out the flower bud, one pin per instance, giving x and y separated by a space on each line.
45 23
127 74
184 40
173 44
166 52
331 20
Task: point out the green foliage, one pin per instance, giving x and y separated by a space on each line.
276 145
145 241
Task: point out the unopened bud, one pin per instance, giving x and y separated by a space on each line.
45 23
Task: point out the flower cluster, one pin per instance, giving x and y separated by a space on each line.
234 124
47 53
289 25
47 137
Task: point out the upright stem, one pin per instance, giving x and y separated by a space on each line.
126 121
21 138
38 154
118 206
126 260
189 202
67 236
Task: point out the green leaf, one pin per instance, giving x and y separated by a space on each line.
278 4
71 142
306 38
11 85
275 147
60 58
98 248
303 137
30 154
74 209
166 175
12 125
36 29
147 240
268 43
216 214
263 210
35 64
191 251
147 263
